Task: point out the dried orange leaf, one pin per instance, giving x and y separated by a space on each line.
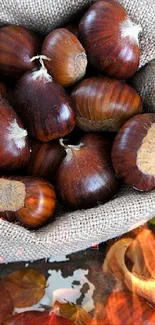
6 305
73 312
26 287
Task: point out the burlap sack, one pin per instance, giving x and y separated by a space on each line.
78 230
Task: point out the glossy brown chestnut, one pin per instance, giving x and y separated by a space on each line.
123 308
68 60
104 104
2 89
110 39
17 46
14 145
27 200
85 178
45 159
43 106
133 152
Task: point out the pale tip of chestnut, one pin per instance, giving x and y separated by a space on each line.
42 72
130 29
69 149
17 134
80 66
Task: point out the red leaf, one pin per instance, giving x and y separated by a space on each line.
30 318
59 320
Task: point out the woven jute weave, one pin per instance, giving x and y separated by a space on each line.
77 230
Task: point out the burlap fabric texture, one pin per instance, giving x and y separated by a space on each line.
78 230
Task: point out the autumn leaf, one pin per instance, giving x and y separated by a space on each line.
26 287
58 320
30 318
6 305
73 312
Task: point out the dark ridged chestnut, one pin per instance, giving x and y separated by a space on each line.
43 106
17 46
110 39
85 178
14 145
27 200
104 104
68 60
45 159
133 152
2 90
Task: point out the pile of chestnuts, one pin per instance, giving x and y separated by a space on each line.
75 144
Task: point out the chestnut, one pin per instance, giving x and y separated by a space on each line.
27 200
110 39
104 104
68 60
43 105
14 145
45 159
2 89
85 177
133 152
17 46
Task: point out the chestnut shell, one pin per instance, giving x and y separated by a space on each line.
68 60
125 149
17 46
39 205
11 155
109 48
85 178
45 159
104 104
44 107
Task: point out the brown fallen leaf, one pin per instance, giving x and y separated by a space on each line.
26 287
6 305
73 312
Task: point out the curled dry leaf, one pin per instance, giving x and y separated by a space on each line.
73 312
6 305
135 255
26 287
115 263
146 241
30 318
126 309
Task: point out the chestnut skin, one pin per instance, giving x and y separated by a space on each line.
14 144
110 39
3 90
133 154
17 46
85 178
104 104
35 206
68 60
44 107
45 159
